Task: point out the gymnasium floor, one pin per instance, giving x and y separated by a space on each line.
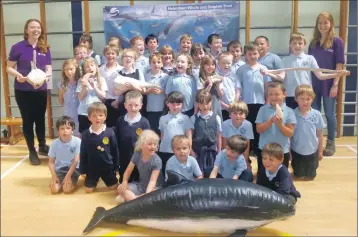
328 206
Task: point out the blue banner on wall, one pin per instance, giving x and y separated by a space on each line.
170 21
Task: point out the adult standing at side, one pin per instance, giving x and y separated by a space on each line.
31 101
328 51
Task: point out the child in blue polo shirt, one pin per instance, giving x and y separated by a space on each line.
250 86
238 125
64 155
230 163
182 163
155 96
183 82
206 132
235 48
307 140
274 175
171 124
273 128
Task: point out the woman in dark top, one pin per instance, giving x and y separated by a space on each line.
328 51
31 100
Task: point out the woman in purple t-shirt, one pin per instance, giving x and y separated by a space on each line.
32 101
328 51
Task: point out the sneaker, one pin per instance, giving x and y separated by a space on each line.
34 158
43 150
330 148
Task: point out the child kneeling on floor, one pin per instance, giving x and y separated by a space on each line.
149 167
274 175
64 155
230 162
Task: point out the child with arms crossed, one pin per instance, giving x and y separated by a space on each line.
149 166
64 155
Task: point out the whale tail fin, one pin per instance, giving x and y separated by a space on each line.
97 217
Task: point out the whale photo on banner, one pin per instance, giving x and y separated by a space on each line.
170 21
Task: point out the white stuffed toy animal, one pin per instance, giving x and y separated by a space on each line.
119 83
36 77
279 113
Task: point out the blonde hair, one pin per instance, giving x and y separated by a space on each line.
130 50
133 94
167 49
41 43
97 107
144 137
80 46
305 89
92 61
297 36
251 46
186 37
317 35
156 55
224 55
273 150
239 106
118 45
206 60
180 139
110 47
190 62
65 79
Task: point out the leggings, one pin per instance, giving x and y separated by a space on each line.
32 106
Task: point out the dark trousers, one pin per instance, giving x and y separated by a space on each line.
286 159
112 113
189 112
83 123
32 106
291 102
153 118
246 175
304 165
253 111
165 156
225 115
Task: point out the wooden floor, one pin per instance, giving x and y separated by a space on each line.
328 206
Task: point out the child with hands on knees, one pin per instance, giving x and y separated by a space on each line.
230 163
271 126
92 88
149 166
181 162
206 133
67 94
64 155
99 151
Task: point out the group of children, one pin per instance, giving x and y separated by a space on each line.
209 111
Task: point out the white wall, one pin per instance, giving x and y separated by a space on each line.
58 16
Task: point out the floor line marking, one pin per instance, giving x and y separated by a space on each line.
352 149
339 157
13 167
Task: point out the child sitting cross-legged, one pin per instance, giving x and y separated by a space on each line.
149 167
230 162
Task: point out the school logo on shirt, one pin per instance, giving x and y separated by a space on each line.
138 131
277 184
188 169
180 121
242 130
235 167
72 149
304 64
312 119
105 140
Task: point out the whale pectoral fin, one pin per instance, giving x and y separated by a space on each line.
97 217
238 233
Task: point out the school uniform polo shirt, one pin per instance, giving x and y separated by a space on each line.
142 64
155 103
227 168
109 76
190 169
271 61
171 125
236 66
273 133
245 129
251 84
228 85
296 78
305 140
65 152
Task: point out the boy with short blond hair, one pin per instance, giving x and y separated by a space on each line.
99 151
307 140
186 41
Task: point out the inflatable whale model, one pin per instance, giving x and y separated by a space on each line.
211 206
119 83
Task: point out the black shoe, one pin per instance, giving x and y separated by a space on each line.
34 158
43 150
